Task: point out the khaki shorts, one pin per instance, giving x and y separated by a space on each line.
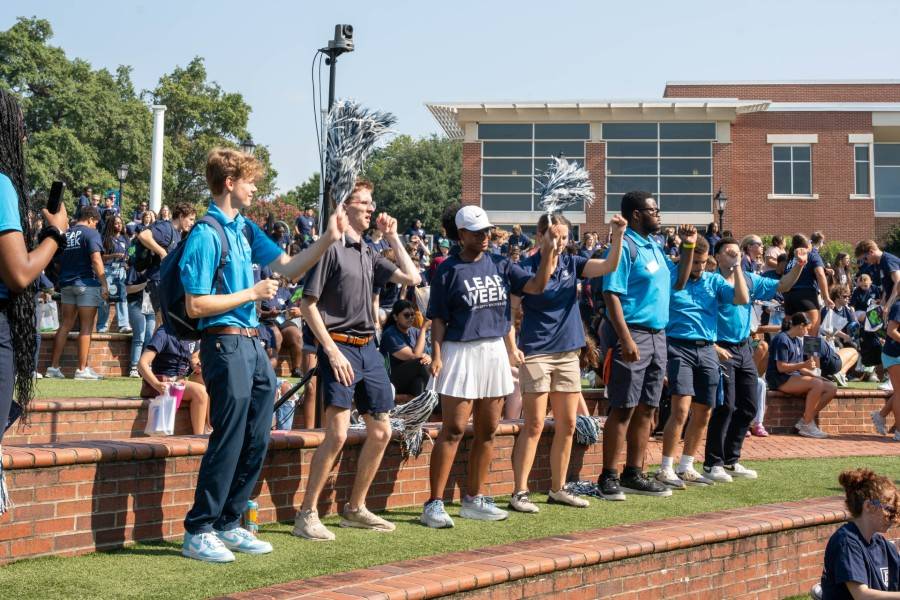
544 373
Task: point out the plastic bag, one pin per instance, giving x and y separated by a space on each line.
161 415
48 316
832 322
422 296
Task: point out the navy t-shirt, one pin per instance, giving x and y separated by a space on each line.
305 225
807 279
173 356
164 234
388 295
119 246
472 298
891 347
783 348
394 340
887 265
849 559
551 321
75 261
860 298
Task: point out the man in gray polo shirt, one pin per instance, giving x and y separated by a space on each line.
339 309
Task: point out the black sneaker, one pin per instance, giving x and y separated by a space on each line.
638 483
608 487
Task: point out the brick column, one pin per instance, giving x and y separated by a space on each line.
595 162
471 173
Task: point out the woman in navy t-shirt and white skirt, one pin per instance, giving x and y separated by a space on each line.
551 337
474 349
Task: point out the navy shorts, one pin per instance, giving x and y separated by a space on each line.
640 382
376 395
693 371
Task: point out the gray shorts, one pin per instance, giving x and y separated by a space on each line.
81 295
639 382
693 371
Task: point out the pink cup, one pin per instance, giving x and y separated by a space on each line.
176 390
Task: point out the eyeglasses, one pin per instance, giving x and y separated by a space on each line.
363 205
652 211
755 244
890 511
407 315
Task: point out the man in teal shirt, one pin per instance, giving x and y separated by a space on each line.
236 368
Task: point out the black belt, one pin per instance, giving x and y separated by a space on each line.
683 342
743 342
643 328
4 303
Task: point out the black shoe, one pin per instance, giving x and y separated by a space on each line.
298 373
608 487
638 483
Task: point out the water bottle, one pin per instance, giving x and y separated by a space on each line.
251 517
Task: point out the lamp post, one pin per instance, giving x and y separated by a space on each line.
247 146
721 202
122 173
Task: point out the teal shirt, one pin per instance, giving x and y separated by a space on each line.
693 310
9 216
201 257
734 320
644 285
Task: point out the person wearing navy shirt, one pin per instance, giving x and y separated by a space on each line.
730 421
161 238
804 295
551 337
752 252
473 351
518 239
166 359
338 307
235 367
404 347
115 245
860 562
890 360
791 372
864 292
633 344
888 267
415 228
82 281
305 227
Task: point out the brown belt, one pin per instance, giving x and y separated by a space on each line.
244 331
343 338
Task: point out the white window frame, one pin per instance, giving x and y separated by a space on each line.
870 147
791 196
882 214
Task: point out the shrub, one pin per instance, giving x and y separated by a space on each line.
892 240
830 250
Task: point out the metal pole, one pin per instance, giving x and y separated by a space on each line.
120 197
327 202
721 221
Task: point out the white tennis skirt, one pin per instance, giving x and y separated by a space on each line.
477 369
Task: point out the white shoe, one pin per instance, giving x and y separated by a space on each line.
717 474
520 502
133 373
38 375
811 430
739 470
668 478
435 516
887 386
54 373
567 498
307 525
86 374
691 477
897 436
94 373
481 508
879 422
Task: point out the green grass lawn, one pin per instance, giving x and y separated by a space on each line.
158 571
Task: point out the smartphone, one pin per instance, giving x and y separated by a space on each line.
812 345
54 202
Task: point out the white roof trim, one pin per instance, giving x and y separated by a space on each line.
834 107
792 82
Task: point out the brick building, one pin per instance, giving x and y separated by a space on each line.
789 156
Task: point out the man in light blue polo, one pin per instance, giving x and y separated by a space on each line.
633 342
236 369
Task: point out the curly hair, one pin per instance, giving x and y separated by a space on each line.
862 485
21 308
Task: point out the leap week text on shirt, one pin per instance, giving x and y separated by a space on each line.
484 291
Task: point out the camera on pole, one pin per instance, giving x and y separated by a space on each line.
342 43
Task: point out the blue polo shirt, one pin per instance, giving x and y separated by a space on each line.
693 309
850 559
644 285
887 265
551 321
201 257
9 216
733 321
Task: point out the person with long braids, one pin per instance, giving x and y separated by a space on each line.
23 261
551 337
473 351
115 245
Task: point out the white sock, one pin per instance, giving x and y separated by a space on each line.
667 462
686 462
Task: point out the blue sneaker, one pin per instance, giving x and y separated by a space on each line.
206 547
241 540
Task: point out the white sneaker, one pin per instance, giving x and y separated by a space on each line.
886 386
717 474
668 478
567 498
879 422
435 516
692 477
363 518
86 374
811 430
54 373
241 540
481 508
38 375
94 373
133 373
307 525
739 470
897 436
206 547
520 502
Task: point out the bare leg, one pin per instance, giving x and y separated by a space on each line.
614 432
681 407
199 399
378 435
485 419
69 314
638 435
811 387
455 413
565 410
337 421
535 409
695 429
87 315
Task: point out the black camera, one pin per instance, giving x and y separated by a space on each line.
343 39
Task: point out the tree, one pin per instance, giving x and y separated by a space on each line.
305 195
416 179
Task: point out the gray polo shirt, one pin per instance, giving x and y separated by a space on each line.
343 282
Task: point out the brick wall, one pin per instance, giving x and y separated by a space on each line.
595 163
471 173
790 92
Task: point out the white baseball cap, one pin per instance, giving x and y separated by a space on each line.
472 218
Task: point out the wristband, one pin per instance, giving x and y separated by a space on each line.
50 231
688 246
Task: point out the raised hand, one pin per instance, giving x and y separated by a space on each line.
688 234
265 289
337 223
386 224
617 225
551 241
801 255
60 220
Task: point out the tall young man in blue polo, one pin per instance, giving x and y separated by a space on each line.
729 422
236 369
633 339
693 367
338 305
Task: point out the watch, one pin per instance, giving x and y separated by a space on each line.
53 232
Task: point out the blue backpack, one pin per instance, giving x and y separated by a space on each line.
171 290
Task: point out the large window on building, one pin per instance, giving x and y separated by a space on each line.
862 162
792 170
887 178
513 154
673 161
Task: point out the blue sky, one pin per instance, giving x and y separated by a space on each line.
408 53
